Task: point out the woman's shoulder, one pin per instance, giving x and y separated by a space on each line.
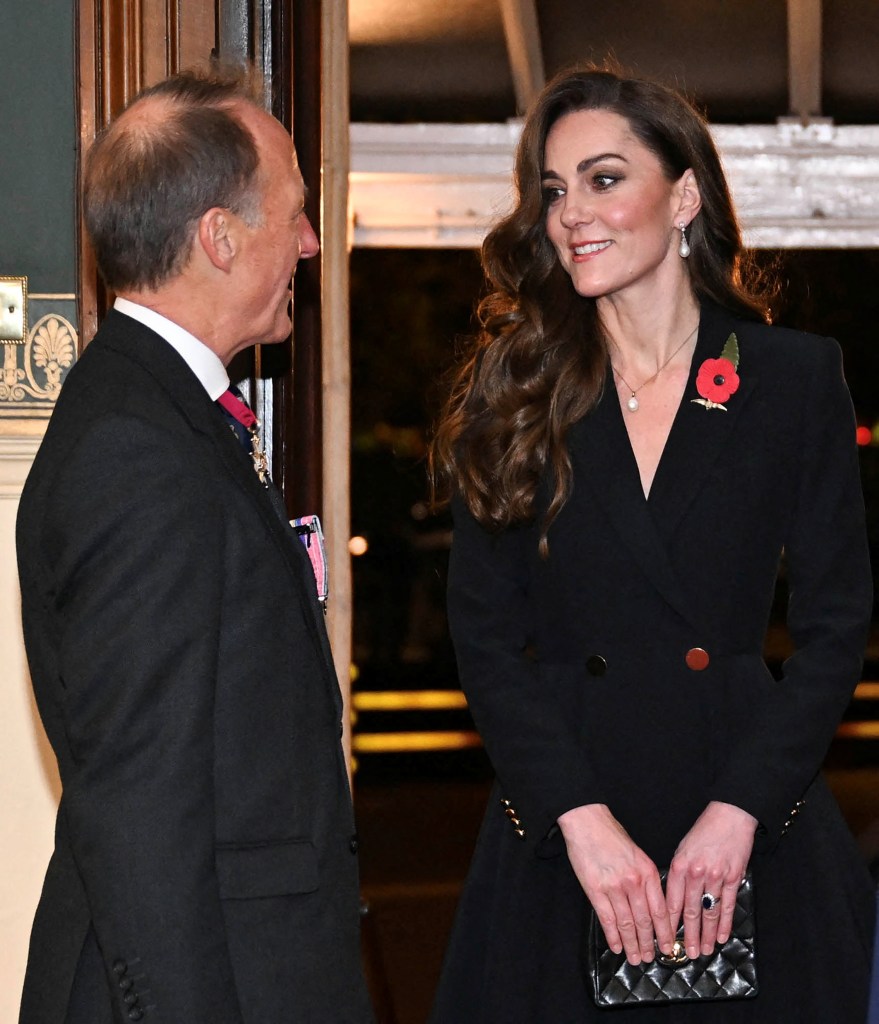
784 349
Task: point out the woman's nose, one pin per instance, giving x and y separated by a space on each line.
575 211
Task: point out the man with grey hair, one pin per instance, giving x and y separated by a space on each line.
205 860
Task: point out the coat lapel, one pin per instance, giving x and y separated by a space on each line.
699 436
605 463
171 373
270 504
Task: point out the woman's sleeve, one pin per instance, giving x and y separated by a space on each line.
828 617
519 712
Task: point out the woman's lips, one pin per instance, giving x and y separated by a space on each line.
589 248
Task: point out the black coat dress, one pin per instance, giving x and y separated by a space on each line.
575 669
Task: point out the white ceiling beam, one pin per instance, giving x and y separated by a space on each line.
804 58
794 186
524 50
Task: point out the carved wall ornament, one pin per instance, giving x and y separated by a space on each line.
32 374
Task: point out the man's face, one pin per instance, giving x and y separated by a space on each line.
282 236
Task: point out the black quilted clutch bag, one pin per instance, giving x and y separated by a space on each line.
730 972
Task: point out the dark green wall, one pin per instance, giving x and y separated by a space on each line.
37 143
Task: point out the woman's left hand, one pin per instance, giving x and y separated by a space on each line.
710 859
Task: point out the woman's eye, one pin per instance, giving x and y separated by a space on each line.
551 193
604 181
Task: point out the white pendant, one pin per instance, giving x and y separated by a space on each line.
632 404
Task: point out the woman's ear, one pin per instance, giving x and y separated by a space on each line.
690 199
217 238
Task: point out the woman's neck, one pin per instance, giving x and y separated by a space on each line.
642 339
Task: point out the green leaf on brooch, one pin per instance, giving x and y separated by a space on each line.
731 350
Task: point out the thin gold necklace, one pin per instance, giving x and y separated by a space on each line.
633 404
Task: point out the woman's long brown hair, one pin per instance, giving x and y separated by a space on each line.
538 362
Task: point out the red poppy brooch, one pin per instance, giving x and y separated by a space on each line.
717 378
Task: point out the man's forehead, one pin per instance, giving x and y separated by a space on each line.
259 121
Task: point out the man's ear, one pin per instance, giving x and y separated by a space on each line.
689 195
217 237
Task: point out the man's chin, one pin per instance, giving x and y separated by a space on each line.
281 332
276 340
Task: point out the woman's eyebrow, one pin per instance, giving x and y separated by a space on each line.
584 165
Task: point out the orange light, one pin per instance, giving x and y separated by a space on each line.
358 546
858 731
409 700
410 742
863 435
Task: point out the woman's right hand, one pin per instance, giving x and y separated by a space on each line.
620 880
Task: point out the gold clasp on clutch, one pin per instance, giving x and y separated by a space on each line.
675 958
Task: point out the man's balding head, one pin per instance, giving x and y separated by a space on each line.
178 150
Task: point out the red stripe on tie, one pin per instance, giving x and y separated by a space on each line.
235 407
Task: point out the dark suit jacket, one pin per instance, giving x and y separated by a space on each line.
205 840
575 669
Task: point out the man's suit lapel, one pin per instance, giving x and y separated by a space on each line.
605 463
171 373
270 504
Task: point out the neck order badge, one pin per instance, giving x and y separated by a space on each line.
234 404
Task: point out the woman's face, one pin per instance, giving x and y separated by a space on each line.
612 214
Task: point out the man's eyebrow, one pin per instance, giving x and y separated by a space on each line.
584 165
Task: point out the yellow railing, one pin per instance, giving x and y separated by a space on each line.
409 742
466 739
409 700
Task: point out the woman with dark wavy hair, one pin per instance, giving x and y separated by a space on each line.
629 449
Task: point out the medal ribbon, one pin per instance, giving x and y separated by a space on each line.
312 536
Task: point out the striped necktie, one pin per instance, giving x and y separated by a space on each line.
239 416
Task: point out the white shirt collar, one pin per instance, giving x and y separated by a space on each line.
203 362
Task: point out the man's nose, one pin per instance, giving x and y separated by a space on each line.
308 244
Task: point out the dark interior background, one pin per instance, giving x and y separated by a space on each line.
445 60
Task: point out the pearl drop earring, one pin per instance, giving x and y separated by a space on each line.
684 247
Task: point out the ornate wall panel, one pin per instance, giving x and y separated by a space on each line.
31 373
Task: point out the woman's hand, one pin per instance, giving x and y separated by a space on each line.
711 858
620 880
